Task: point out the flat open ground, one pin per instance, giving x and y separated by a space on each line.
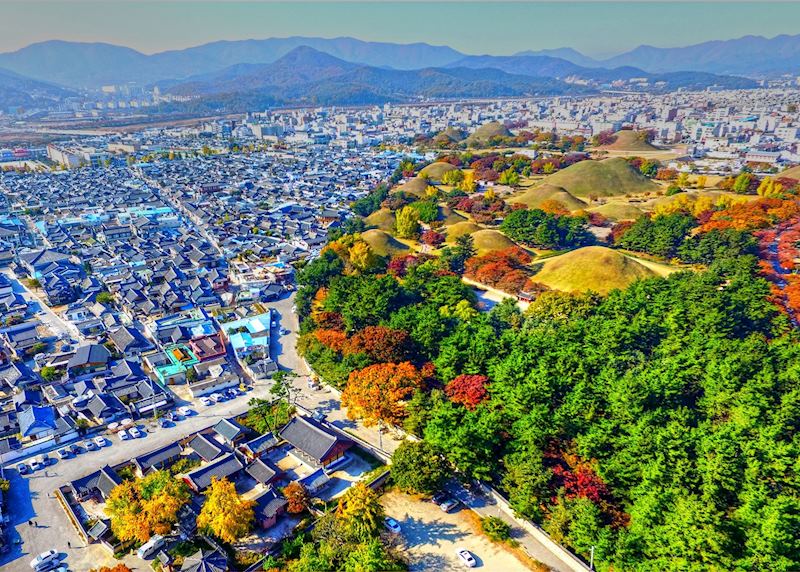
432 536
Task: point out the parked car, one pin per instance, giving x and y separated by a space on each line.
185 411
439 497
74 449
216 397
36 465
135 432
125 422
64 453
90 445
123 435
466 557
23 469
284 331
449 505
43 559
206 401
164 423
100 441
391 525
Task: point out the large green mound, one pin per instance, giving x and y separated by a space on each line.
415 186
435 171
618 211
461 228
628 140
606 178
533 198
486 131
793 173
594 268
382 219
488 240
382 243
451 134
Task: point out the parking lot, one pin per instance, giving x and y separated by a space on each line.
431 536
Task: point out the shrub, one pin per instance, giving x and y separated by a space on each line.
496 529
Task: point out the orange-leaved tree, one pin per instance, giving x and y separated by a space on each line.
377 393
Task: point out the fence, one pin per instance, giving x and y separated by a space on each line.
568 558
72 515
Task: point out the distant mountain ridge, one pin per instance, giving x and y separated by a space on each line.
20 91
91 65
547 66
306 75
749 56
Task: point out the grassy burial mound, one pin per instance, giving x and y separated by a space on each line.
595 268
460 229
383 243
382 219
488 240
449 217
435 171
606 178
631 141
618 211
486 131
415 187
533 198
793 173
448 136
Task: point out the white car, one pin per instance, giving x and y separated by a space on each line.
63 453
90 445
123 435
100 441
391 525
466 557
135 433
43 559
217 397
125 422
205 401
36 465
23 469
185 411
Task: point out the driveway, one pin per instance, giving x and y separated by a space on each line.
430 537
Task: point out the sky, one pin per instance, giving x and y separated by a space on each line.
596 28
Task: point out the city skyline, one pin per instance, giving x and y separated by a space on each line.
597 29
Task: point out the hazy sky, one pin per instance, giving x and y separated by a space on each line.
595 28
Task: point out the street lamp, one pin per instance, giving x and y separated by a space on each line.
591 559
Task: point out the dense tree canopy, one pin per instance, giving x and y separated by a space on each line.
538 228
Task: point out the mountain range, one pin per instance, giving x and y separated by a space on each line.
347 70
306 75
750 56
90 65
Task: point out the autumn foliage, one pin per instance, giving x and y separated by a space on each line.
297 497
380 343
225 514
752 215
505 270
468 390
141 508
377 393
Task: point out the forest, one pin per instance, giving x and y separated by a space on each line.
657 424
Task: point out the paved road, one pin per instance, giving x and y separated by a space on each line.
58 325
31 500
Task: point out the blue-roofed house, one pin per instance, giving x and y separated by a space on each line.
37 422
